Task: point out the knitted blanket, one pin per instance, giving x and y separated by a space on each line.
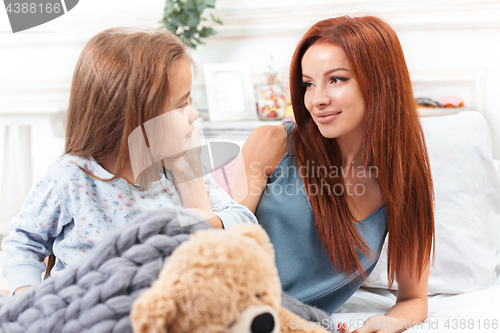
97 295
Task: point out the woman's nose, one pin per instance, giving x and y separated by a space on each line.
320 97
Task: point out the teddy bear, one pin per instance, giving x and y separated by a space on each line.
219 281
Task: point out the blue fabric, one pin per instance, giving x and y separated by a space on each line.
304 268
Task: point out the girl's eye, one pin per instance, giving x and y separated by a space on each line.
336 79
307 84
185 104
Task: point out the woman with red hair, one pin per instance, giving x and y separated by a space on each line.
353 168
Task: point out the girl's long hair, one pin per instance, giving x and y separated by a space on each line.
121 80
393 144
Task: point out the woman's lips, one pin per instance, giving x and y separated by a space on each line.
323 118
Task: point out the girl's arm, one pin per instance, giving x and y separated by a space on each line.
31 235
201 194
194 196
187 170
225 208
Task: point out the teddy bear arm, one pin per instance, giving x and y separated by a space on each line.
290 322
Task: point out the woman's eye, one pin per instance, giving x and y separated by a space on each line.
306 84
336 79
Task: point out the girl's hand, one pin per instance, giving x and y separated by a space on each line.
189 181
379 323
21 290
187 166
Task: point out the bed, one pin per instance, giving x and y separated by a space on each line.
476 311
464 283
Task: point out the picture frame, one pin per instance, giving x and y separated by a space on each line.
230 93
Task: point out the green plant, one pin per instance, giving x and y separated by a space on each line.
184 17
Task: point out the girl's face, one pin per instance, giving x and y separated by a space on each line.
170 133
332 97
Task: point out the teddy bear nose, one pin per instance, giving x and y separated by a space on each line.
263 323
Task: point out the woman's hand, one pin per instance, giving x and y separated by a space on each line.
378 323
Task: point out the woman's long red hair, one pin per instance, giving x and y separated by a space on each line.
393 143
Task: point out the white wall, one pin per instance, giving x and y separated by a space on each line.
455 42
451 47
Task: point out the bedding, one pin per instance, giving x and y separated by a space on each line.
476 311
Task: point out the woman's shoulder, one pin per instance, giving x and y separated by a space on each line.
266 143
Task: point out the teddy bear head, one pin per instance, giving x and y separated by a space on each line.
216 282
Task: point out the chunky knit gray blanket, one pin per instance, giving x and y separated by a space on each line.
97 295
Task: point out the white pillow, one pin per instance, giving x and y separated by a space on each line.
467 208
497 166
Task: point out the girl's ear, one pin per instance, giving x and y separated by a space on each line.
152 312
257 233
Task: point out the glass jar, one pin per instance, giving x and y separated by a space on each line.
271 102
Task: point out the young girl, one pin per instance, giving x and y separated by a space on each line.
353 168
123 79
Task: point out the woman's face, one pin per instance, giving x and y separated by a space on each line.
332 96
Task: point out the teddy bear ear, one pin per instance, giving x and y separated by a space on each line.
152 312
257 233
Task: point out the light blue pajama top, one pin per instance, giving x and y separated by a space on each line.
305 270
67 212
